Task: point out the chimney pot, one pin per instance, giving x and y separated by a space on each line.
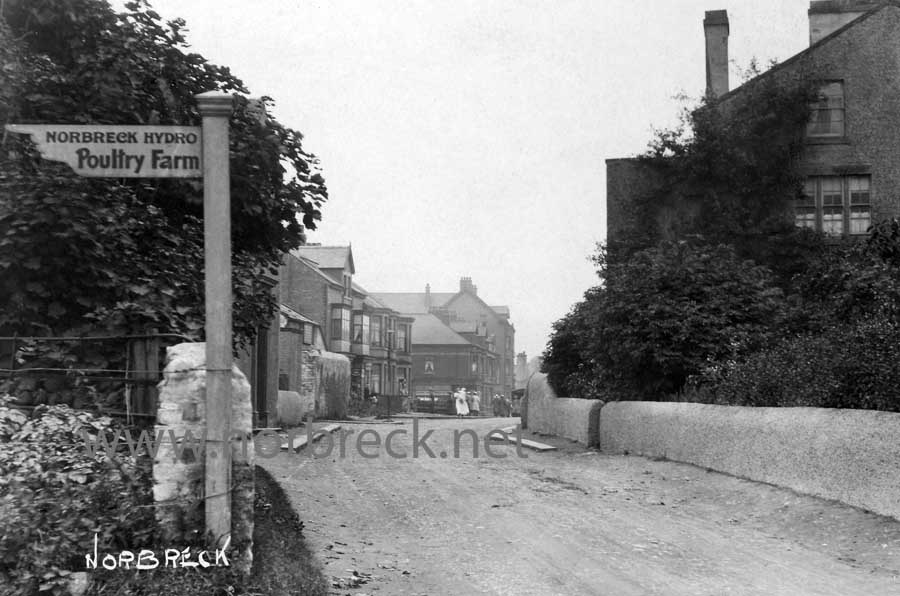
716 30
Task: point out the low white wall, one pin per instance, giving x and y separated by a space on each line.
852 456
575 419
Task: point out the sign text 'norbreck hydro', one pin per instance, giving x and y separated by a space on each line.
117 151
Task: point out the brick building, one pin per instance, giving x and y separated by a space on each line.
851 155
317 287
468 317
443 360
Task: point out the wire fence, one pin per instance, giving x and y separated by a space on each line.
140 353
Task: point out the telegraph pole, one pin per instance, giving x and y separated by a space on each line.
215 108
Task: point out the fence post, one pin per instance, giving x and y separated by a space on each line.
143 373
136 363
152 368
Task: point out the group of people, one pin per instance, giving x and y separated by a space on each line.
501 405
468 403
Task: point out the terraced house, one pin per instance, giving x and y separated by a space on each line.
323 308
851 154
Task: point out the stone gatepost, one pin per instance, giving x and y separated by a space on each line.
178 471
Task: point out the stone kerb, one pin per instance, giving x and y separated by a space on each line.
179 481
848 455
575 419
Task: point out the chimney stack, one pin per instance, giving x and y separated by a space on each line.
427 297
827 16
715 27
466 285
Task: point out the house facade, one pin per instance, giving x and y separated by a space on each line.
851 155
443 360
317 285
462 315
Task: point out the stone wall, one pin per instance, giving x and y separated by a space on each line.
179 480
333 393
848 455
575 419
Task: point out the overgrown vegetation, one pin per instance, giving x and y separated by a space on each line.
714 295
112 257
54 498
106 256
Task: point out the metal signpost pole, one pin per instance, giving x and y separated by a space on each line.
216 108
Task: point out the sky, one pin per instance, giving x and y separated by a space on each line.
468 138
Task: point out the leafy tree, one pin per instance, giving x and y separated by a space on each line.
728 173
568 360
659 318
104 255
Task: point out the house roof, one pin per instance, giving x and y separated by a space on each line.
412 302
314 267
327 257
293 314
464 326
430 330
813 47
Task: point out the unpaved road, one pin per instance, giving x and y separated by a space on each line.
571 522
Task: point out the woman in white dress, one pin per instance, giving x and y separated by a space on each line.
462 408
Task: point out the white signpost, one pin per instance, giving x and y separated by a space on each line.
124 151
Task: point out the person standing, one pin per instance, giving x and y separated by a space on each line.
462 408
476 404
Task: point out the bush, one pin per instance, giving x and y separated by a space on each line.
662 315
846 366
55 497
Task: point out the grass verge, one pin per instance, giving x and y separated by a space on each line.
283 564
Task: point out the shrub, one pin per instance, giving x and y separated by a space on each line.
845 366
662 315
55 497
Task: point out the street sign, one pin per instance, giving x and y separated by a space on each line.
116 151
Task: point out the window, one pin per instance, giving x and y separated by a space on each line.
340 323
835 205
308 334
832 205
376 378
376 331
827 119
860 209
401 338
805 207
389 332
360 328
348 285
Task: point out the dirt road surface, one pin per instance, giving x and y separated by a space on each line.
570 522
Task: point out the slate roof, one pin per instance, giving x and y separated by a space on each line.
314 267
412 302
293 314
430 330
327 257
464 326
